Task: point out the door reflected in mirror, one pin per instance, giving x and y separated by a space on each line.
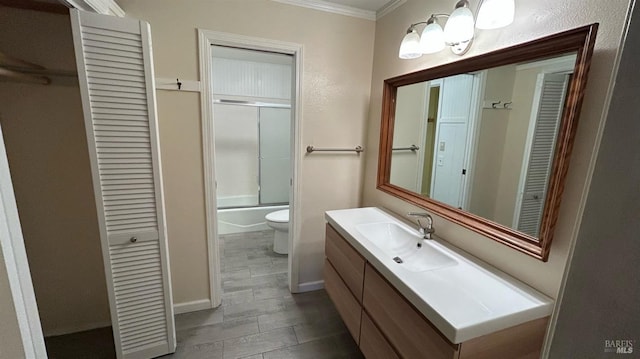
483 142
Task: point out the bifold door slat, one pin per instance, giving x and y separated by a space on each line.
145 324
105 108
116 102
133 267
104 69
128 83
159 340
120 35
106 64
98 50
112 46
134 291
137 337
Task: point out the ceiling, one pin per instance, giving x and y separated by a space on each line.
52 6
366 9
369 5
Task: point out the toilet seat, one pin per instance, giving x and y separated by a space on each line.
281 216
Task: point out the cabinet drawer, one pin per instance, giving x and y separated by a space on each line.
346 304
346 260
408 331
372 343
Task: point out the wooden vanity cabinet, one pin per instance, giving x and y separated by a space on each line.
386 325
343 279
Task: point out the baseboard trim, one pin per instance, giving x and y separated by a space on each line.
310 286
193 306
75 329
178 308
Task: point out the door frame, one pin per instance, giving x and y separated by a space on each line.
14 258
424 124
207 38
473 133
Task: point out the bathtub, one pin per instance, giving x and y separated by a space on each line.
239 220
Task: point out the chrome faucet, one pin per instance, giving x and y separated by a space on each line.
427 230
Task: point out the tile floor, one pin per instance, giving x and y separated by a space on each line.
258 319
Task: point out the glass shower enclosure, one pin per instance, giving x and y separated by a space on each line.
252 147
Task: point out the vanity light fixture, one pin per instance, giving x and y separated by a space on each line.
458 30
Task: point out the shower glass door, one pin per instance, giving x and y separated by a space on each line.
236 148
275 162
252 146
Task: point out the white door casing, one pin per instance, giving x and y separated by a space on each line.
206 39
13 256
115 73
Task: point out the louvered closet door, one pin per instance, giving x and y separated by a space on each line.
116 82
548 106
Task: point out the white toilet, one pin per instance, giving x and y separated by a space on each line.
279 220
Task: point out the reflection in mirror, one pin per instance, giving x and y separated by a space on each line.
484 141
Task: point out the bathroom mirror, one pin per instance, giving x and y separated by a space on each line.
485 142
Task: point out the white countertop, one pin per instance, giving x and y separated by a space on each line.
465 300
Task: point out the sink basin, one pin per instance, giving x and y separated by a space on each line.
402 246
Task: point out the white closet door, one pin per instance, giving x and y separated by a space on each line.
547 111
116 82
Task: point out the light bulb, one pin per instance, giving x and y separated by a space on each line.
410 46
459 26
494 14
432 38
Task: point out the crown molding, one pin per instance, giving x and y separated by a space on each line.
105 7
333 8
389 7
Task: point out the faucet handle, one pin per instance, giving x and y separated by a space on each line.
419 215
427 230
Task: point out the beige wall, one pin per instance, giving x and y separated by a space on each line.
491 139
181 151
410 118
534 19
336 78
47 150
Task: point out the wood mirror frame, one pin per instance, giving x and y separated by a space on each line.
581 41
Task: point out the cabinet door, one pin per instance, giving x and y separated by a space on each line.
405 328
348 307
115 73
372 343
346 260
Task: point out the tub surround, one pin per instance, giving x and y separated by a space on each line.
247 219
463 300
